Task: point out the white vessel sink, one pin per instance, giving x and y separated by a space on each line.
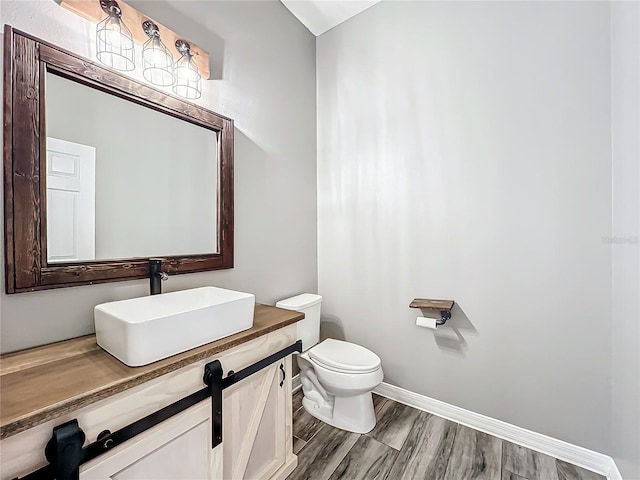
147 329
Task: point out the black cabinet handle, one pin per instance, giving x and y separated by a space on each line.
284 375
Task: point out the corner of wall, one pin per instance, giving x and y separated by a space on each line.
625 233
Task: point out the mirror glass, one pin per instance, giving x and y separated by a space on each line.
124 180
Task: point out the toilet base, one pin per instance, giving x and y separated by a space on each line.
353 414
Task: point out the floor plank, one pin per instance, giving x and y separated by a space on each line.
378 401
475 456
367 460
305 425
545 467
395 421
320 457
425 453
528 463
507 475
298 444
567 471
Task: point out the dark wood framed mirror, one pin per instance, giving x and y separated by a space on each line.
145 201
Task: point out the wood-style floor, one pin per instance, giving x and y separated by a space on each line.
409 444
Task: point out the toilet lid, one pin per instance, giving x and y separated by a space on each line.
344 357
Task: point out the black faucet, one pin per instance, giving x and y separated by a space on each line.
156 276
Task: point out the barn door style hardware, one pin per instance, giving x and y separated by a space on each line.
65 452
213 378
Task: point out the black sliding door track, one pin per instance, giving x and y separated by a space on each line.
65 452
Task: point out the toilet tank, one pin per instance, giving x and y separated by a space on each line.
309 328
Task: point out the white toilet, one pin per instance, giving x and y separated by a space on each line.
337 377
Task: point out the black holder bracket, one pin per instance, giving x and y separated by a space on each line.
444 316
213 378
65 452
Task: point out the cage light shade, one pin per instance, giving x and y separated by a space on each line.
157 61
188 79
114 42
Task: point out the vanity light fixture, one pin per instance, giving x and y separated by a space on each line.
188 78
115 46
157 61
114 41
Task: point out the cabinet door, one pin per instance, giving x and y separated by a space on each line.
177 449
257 425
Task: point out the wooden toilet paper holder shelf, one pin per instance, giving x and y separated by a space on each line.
442 306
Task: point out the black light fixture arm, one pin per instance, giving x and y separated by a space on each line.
151 29
111 8
183 47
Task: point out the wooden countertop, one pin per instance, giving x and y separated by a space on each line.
42 383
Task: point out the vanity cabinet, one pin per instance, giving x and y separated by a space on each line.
257 425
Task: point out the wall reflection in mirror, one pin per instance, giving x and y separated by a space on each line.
124 180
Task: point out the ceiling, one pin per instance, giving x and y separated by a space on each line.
322 15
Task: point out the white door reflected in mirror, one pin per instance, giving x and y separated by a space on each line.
71 200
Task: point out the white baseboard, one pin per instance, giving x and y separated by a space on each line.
295 383
596 462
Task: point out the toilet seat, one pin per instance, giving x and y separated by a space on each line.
344 357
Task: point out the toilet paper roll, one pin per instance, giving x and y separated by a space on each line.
426 322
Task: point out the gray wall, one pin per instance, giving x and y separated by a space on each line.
464 153
264 78
625 142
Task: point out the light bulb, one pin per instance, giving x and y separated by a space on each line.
114 36
158 57
187 73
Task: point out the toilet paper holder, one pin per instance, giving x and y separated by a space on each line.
442 306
